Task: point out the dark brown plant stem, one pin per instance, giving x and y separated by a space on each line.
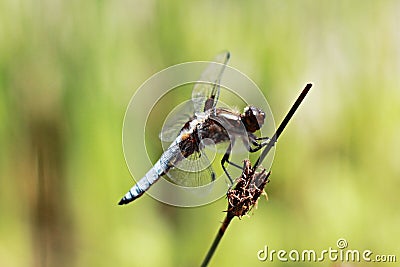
230 215
220 234
282 126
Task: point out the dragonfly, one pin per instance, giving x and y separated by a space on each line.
184 161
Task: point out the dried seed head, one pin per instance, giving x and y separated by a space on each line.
249 186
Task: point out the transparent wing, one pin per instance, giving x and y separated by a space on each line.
175 121
193 171
206 92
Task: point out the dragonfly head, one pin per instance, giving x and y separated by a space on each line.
253 118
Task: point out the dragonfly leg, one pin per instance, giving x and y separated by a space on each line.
225 159
257 145
262 138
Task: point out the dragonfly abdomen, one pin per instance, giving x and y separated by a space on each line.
140 187
152 176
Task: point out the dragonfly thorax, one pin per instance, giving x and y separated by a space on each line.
252 118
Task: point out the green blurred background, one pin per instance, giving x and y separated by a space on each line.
69 68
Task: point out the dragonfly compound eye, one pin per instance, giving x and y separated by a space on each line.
253 118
